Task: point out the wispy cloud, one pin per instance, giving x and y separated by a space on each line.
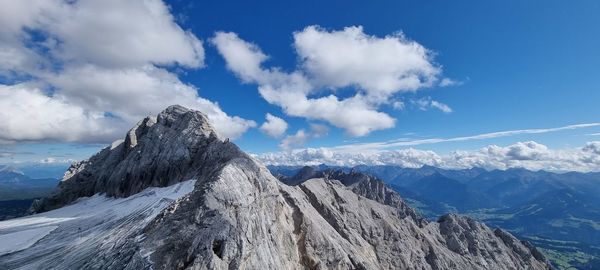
54 160
9 153
483 136
445 82
593 134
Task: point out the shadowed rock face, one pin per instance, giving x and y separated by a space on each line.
241 217
157 151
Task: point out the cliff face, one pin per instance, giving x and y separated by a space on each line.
238 216
157 151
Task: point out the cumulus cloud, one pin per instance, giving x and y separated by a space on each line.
592 147
301 137
136 92
93 68
530 155
411 158
109 33
30 114
379 66
526 151
298 139
274 126
375 67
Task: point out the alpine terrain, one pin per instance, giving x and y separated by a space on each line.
175 195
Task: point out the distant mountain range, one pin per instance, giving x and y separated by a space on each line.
175 195
18 190
14 184
557 211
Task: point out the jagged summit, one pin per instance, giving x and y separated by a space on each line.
362 184
237 215
157 151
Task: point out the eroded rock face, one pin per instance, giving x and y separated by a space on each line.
241 217
362 184
158 151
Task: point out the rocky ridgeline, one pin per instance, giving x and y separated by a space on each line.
157 151
239 216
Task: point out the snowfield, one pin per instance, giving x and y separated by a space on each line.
20 240
80 230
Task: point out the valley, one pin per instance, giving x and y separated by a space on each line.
18 190
556 211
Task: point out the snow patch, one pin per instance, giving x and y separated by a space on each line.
23 239
116 144
85 225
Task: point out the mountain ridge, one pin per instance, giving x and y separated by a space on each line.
556 211
239 216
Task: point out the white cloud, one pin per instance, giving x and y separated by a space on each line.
30 114
298 139
378 67
109 33
95 65
441 106
398 105
530 155
592 147
274 126
373 146
243 58
137 92
445 82
426 103
353 114
302 136
319 130
15 60
53 160
527 151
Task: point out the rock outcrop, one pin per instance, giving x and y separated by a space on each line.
157 151
239 216
362 184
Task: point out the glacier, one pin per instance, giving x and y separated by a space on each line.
82 228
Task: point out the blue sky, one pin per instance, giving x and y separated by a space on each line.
524 65
517 65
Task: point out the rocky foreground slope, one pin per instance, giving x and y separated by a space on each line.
238 216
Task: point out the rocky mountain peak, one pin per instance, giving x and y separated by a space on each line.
185 121
157 151
239 216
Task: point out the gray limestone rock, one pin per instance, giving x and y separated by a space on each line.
239 216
